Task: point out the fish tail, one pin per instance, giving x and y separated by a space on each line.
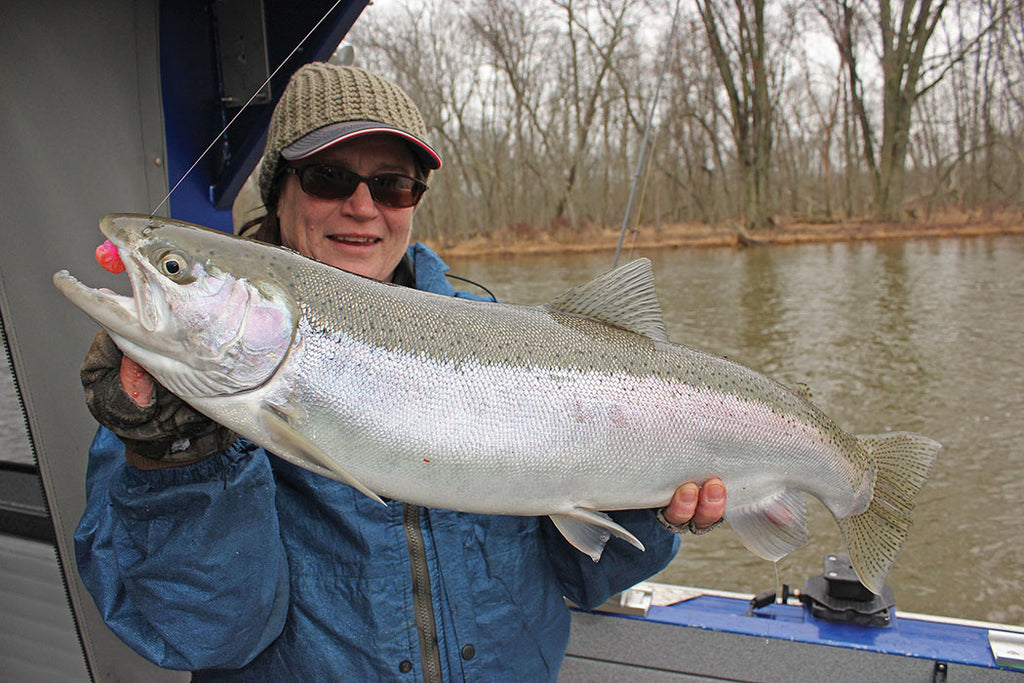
903 461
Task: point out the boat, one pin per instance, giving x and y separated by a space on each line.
109 105
659 632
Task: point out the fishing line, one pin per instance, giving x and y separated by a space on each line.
465 279
780 591
635 232
256 92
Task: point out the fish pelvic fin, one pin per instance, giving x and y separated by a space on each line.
874 537
772 524
589 530
297 449
623 297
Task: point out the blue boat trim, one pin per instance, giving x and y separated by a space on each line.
940 639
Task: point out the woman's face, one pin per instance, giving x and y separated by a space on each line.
355 234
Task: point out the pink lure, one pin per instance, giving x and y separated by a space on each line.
106 256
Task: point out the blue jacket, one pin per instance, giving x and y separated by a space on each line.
244 567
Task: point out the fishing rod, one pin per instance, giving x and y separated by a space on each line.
234 118
647 132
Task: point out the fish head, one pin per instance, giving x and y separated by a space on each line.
206 317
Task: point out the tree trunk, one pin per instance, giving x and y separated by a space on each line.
749 99
903 41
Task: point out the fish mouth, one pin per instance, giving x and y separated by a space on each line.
139 317
111 310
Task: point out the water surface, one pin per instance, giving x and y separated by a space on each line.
921 335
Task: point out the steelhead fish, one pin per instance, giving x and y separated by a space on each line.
567 409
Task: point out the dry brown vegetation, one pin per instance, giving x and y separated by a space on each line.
560 238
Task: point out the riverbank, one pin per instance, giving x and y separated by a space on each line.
530 240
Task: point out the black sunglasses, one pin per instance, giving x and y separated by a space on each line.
392 190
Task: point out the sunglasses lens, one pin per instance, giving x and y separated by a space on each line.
328 182
334 182
396 191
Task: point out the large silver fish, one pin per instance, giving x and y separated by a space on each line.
566 409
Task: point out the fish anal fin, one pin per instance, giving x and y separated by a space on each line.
298 449
874 537
589 530
623 297
771 525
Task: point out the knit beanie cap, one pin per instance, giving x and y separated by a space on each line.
327 103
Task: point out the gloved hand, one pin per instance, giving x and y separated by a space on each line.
158 428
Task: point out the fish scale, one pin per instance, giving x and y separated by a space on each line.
569 409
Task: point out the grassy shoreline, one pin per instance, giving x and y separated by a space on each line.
535 240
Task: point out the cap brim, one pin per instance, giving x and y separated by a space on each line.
322 138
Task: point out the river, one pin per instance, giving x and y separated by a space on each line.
922 335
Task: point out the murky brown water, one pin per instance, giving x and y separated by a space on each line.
926 336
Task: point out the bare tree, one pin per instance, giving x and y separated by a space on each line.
593 31
740 53
827 114
904 37
538 107
986 90
903 32
694 141
512 35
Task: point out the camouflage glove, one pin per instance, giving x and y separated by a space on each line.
688 527
164 432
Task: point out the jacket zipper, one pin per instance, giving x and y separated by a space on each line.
421 597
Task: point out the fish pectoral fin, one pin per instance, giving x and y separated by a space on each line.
771 525
299 450
588 531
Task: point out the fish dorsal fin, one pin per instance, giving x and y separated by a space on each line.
623 297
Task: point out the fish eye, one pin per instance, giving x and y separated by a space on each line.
174 265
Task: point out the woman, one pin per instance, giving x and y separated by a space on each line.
206 553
